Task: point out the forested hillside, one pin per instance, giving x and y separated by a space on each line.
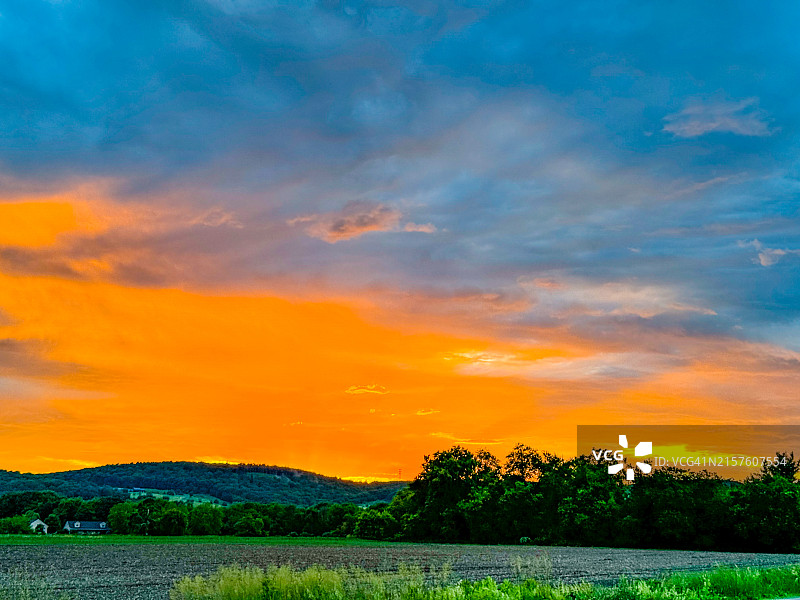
459 496
229 483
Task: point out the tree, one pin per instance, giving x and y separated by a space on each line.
120 517
589 506
523 463
520 513
68 508
236 512
480 510
98 509
447 478
766 515
784 465
205 519
342 518
376 525
249 526
18 503
674 508
53 524
148 513
18 524
172 522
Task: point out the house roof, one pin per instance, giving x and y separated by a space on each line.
87 525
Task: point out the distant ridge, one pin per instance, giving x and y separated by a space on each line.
225 482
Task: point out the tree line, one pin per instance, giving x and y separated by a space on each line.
465 496
227 483
540 498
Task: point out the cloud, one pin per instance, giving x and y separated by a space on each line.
423 228
218 122
30 399
573 296
372 388
424 412
466 441
741 118
138 242
354 220
28 358
767 256
217 217
482 357
601 367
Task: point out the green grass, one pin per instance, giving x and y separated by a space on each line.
194 499
68 540
409 583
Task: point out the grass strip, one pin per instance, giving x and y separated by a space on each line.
411 583
97 540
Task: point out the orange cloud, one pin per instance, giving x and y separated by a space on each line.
420 228
35 223
424 412
125 374
154 374
366 389
95 370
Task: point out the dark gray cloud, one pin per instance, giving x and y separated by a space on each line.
20 358
354 220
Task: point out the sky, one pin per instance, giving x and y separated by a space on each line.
339 236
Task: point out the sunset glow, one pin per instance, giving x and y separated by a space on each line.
344 245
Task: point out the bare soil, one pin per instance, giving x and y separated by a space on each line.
147 571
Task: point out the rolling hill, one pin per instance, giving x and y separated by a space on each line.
228 483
